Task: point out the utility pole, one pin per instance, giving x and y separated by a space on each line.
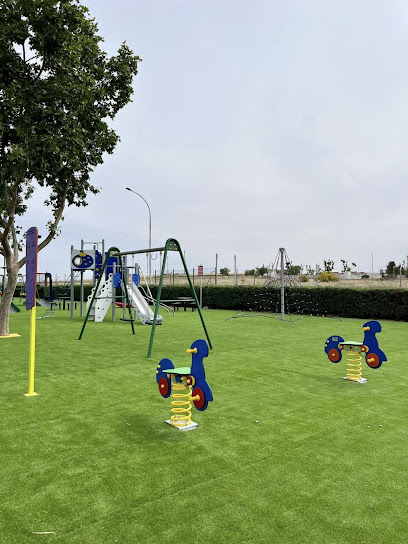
216 267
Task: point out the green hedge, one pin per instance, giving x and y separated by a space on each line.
339 301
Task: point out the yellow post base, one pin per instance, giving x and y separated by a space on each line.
30 394
31 364
11 336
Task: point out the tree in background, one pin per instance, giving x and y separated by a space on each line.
345 266
261 270
250 272
394 270
292 269
328 265
58 90
391 268
224 271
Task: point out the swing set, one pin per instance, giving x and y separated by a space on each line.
170 245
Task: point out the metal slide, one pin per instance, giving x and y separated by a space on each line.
142 309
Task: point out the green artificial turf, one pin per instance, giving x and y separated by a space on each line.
287 452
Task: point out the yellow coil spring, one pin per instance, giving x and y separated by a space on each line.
353 366
182 405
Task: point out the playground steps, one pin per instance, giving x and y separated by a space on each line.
102 301
52 306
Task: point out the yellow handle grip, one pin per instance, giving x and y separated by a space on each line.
191 350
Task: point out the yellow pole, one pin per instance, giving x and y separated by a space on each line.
31 367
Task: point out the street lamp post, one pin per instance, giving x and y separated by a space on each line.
150 231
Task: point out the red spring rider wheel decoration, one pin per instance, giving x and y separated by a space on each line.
164 387
334 355
200 403
373 360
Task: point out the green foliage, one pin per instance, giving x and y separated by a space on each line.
393 270
365 277
224 271
250 272
261 270
327 276
303 279
328 265
345 266
292 269
390 269
340 301
58 92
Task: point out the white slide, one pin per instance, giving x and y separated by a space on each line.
142 309
102 302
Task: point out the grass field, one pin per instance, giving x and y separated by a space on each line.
288 452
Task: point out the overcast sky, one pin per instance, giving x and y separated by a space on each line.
254 125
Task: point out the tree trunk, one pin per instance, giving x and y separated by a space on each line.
5 301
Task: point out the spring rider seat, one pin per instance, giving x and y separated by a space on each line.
188 385
374 356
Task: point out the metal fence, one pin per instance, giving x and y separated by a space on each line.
353 280
211 277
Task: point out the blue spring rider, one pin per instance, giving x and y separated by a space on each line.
186 385
374 356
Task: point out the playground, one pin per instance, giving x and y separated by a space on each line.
287 452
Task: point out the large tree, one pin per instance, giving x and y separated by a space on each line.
58 91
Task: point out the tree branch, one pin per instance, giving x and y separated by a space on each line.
58 218
11 211
41 71
15 241
6 248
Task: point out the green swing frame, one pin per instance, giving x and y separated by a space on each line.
171 245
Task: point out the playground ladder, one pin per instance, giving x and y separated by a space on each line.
50 310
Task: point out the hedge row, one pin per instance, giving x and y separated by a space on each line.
339 301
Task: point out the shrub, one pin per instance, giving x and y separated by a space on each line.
327 276
303 278
341 301
365 277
